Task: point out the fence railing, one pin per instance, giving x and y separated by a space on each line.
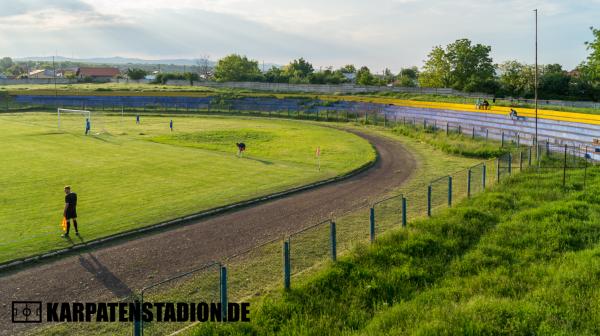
280 260
302 250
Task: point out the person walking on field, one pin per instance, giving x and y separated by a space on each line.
70 211
88 126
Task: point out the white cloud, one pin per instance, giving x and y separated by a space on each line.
378 33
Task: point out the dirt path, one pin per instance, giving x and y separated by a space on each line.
116 271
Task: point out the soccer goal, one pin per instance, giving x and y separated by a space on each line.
70 118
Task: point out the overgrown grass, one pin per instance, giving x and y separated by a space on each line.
523 258
453 142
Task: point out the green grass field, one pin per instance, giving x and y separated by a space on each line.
254 275
521 259
129 176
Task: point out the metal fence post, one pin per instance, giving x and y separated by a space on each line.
333 240
520 160
487 134
529 163
447 128
372 223
502 141
585 168
473 136
403 211
483 175
459 129
509 163
449 191
469 183
429 200
565 167
137 322
497 170
224 302
286 265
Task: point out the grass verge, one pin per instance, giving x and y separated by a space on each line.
520 259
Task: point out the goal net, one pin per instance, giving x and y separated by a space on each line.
74 120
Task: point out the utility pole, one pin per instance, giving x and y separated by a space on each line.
536 76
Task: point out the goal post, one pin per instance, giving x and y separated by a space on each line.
62 111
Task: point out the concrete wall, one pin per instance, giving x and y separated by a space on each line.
328 88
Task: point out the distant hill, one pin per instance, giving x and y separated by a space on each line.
166 65
114 60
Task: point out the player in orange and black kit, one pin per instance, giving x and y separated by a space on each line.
70 211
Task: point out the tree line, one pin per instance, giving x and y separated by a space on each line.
461 65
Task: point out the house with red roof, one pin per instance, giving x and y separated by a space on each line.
98 74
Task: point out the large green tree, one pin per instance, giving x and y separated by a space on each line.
471 65
462 66
437 70
299 71
593 60
554 82
365 77
516 79
237 68
327 76
276 75
407 77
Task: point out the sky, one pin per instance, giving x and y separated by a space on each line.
376 33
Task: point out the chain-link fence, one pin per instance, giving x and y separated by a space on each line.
200 286
278 262
275 262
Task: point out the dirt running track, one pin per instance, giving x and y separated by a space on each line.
116 271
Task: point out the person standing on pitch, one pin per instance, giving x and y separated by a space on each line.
70 211
241 148
137 119
88 126
171 125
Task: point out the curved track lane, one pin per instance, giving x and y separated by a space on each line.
116 271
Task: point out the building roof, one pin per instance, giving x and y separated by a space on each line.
98 72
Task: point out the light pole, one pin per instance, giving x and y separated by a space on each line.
536 77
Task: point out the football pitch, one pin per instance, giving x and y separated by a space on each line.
129 175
